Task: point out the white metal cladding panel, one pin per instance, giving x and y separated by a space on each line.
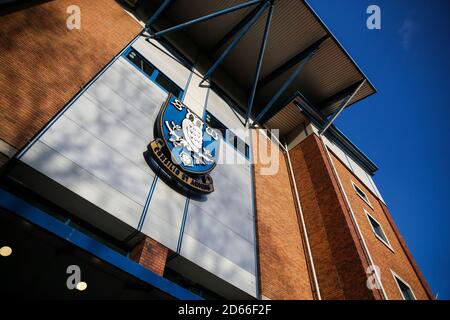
230 157
223 112
355 168
145 98
105 127
100 159
338 152
163 60
69 174
364 177
207 229
195 96
164 215
219 231
210 260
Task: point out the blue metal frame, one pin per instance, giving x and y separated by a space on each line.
157 13
230 34
205 18
243 32
148 200
291 62
285 85
333 117
74 236
341 108
154 74
183 224
259 64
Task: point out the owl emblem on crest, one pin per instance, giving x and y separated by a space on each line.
192 142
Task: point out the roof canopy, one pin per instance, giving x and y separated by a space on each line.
326 79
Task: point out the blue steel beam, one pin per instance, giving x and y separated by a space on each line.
291 62
205 18
286 84
344 103
246 28
157 13
40 218
259 64
230 34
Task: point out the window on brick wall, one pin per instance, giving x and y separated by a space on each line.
378 230
404 288
361 193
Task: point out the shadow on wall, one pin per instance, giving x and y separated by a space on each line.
10 6
43 64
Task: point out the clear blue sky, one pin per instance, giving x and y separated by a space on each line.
404 128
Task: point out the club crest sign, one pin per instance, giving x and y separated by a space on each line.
185 146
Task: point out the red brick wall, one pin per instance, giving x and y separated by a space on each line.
150 254
338 256
283 266
43 64
398 259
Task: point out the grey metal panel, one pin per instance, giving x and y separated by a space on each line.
195 96
221 110
354 167
163 60
164 215
220 266
72 176
110 130
136 96
98 158
205 228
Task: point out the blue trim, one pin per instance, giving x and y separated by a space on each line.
285 85
183 223
186 86
154 74
206 18
147 202
238 38
259 64
75 98
157 13
49 223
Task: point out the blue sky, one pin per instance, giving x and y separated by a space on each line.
404 128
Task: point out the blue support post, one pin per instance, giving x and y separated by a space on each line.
285 85
344 104
258 68
157 13
205 18
235 41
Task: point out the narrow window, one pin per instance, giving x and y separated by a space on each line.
155 75
215 124
361 194
168 85
377 229
405 289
